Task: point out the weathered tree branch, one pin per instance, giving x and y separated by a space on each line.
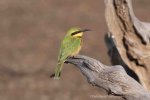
111 78
131 39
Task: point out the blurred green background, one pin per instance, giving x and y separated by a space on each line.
30 35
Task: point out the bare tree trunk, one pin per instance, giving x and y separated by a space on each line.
128 40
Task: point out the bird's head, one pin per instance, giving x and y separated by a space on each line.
76 32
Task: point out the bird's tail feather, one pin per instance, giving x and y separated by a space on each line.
58 70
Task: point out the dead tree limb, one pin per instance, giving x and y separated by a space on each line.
130 37
111 78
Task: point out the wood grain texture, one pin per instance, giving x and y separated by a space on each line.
130 37
113 79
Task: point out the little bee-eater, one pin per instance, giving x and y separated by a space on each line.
70 46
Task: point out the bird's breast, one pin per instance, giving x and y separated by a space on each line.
76 51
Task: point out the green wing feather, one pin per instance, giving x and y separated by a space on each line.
68 46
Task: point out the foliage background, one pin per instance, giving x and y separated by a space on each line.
30 35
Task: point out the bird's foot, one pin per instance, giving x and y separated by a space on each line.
70 57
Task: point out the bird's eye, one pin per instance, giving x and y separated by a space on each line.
84 30
74 33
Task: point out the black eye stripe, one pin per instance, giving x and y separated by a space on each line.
74 33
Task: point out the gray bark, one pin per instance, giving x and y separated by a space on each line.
113 79
128 40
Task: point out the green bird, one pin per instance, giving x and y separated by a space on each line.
70 46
